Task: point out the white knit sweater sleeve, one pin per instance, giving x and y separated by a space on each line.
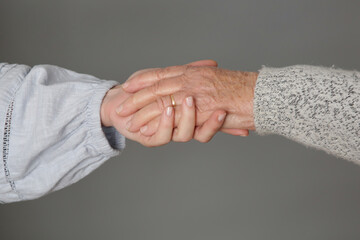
316 106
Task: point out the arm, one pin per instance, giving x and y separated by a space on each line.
50 127
316 106
57 126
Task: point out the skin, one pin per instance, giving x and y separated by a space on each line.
212 88
179 126
185 131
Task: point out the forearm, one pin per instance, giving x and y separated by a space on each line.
53 135
316 106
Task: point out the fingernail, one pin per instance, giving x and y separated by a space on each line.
118 109
168 111
189 101
125 85
221 117
143 129
128 125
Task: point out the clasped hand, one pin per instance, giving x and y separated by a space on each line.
208 99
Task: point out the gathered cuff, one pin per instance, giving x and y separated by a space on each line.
105 142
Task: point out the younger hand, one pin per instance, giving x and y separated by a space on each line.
164 130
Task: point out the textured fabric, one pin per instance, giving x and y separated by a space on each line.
50 128
316 106
115 139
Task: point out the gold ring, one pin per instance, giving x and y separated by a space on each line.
173 103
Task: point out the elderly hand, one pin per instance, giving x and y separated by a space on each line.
211 87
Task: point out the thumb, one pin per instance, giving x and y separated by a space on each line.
203 63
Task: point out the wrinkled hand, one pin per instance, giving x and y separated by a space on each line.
211 87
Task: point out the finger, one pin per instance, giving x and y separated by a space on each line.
236 121
165 130
147 77
210 127
236 132
185 130
149 112
150 128
148 95
153 124
143 116
141 71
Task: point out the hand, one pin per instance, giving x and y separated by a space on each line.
212 88
164 131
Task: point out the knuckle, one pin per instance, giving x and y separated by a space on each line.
161 73
133 100
208 72
161 102
158 73
200 71
201 76
155 88
183 81
187 69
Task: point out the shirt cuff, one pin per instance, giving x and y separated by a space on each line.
107 142
115 139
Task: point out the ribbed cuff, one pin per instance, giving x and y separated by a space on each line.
271 110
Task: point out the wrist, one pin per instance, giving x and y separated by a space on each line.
112 99
105 121
245 98
251 88
105 108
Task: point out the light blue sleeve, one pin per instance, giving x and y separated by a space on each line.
50 129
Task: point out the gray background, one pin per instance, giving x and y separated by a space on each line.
231 188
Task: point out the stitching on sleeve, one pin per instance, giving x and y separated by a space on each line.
6 145
8 70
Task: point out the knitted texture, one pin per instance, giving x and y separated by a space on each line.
316 106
